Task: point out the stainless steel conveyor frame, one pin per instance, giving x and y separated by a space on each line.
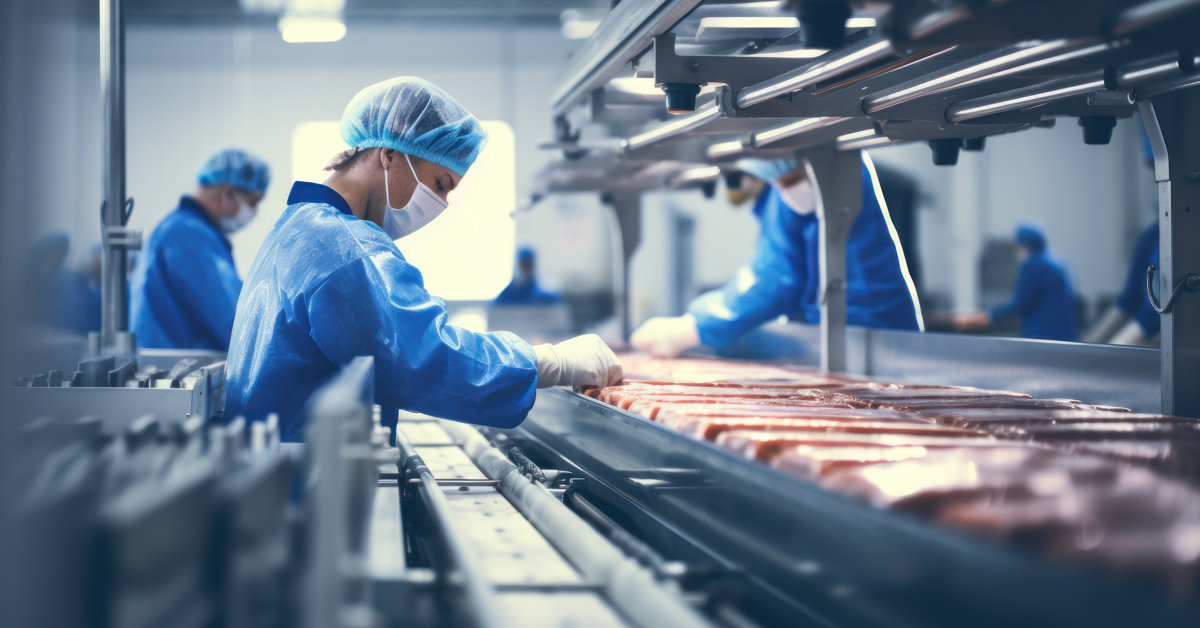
952 76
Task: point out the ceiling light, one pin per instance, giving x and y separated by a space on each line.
860 22
580 23
297 30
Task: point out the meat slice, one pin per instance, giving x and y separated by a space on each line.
940 478
978 417
703 370
782 408
815 462
766 445
624 396
935 404
709 427
1102 430
883 392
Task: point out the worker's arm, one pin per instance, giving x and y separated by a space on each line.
378 306
769 286
203 275
1110 323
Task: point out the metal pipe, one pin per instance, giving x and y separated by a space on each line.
679 126
860 140
770 136
1011 60
824 67
1026 97
478 593
114 296
726 149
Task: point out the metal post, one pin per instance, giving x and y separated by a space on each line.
628 208
1172 121
114 295
837 179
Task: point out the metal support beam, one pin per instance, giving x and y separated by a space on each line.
1172 121
627 207
837 179
114 295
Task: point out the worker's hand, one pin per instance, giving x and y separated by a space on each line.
666 336
971 320
580 361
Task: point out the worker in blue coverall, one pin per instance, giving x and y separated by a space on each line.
56 296
330 284
783 278
524 288
1044 298
185 287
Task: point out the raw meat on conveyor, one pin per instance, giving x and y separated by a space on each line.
709 427
814 462
764 445
782 408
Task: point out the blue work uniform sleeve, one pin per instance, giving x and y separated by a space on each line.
378 306
769 286
208 285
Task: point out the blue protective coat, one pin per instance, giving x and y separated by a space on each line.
1133 300
185 286
1044 299
783 278
326 287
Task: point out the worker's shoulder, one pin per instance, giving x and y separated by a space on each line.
185 229
325 237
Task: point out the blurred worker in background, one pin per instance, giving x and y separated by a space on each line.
329 283
185 287
1132 320
783 278
524 288
1045 295
58 297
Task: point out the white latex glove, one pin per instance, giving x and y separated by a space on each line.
580 361
666 336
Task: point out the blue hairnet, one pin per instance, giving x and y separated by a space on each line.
1032 236
414 117
767 170
236 167
526 254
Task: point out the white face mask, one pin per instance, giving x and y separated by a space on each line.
422 208
244 215
799 197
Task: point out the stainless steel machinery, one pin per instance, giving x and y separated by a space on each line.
667 94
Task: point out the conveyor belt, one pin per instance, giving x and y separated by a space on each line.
802 555
517 574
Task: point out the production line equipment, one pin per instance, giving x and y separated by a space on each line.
670 93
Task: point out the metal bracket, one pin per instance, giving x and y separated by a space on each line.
1188 283
126 238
